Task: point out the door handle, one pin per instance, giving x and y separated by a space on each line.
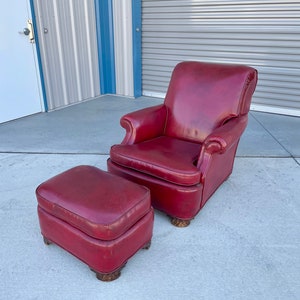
26 31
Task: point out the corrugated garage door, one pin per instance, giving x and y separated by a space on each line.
263 34
68 48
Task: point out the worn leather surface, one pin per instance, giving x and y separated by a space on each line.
190 139
202 96
163 157
100 255
96 202
184 202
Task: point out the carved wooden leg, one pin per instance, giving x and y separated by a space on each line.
46 241
109 276
179 222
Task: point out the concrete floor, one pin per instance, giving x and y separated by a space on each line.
244 244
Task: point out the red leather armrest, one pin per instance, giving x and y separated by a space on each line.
222 138
225 136
144 124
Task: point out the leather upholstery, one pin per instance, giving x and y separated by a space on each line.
100 255
157 155
191 139
100 218
94 202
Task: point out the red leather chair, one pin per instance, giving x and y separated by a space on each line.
184 149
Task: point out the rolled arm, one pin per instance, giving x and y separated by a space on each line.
225 136
144 124
222 138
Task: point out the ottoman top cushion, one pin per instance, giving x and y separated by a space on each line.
100 204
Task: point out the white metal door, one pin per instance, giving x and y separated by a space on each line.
19 82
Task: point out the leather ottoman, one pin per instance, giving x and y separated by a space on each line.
100 218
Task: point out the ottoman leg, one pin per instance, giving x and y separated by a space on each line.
116 274
109 276
147 246
46 241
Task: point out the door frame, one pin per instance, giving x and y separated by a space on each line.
106 45
137 46
38 52
105 39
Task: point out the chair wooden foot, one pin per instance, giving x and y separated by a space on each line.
179 222
46 241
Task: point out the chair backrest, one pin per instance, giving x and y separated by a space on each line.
203 96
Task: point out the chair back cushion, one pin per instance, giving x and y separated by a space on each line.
203 96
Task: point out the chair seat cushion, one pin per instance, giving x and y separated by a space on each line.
98 203
164 157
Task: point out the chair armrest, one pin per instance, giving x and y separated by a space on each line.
221 139
144 124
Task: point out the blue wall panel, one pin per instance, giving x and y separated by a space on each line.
105 36
137 46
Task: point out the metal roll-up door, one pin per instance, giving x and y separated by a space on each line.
262 34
